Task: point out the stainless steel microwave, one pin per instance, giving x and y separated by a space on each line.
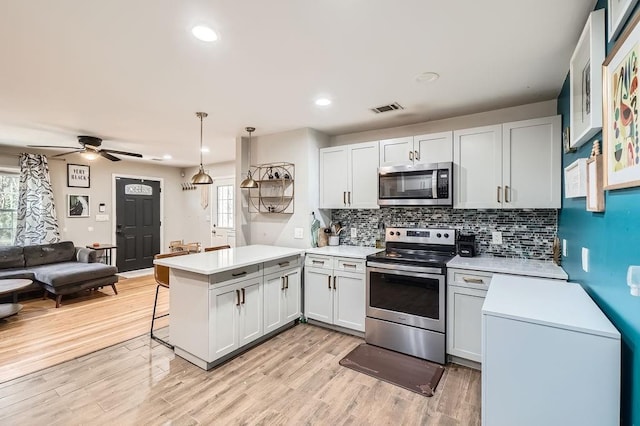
416 185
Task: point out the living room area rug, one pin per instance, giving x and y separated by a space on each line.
414 374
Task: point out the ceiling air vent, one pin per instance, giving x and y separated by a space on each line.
386 108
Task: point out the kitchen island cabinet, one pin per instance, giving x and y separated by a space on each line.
218 304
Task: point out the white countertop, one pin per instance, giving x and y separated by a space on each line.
548 302
345 251
504 265
208 263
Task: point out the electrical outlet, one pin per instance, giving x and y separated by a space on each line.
298 233
564 247
354 232
496 237
585 259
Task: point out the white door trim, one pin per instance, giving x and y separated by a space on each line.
114 176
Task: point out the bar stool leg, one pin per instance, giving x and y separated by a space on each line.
153 319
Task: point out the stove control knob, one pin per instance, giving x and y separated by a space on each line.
438 235
398 233
392 233
446 235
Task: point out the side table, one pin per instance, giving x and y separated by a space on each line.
7 286
106 257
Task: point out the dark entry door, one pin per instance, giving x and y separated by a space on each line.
137 223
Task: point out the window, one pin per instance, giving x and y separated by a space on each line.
225 206
8 207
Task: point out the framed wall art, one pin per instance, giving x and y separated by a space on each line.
595 191
621 146
77 206
585 76
618 12
78 176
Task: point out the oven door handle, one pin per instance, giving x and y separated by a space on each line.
388 268
420 274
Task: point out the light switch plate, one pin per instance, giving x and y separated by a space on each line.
354 232
564 247
585 259
298 233
496 237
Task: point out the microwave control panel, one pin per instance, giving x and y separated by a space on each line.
443 183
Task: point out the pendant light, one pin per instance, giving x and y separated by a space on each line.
249 183
201 178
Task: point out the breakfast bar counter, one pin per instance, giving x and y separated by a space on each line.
226 301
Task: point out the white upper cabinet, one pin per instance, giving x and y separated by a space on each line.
431 148
349 176
513 165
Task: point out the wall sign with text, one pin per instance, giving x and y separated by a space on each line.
78 176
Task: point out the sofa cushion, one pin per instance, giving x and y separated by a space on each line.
49 253
16 273
65 273
11 257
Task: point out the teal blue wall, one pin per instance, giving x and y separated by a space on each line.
613 240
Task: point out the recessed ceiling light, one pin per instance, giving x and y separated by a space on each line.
204 33
204 149
323 102
427 77
167 157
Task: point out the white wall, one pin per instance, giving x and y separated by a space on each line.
522 112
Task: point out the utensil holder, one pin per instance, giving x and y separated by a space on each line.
334 240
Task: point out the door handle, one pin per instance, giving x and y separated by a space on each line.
349 197
334 282
283 264
329 281
243 296
506 197
416 155
473 280
498 194
282 288
410 155
239 274
237 297
286 285
344 198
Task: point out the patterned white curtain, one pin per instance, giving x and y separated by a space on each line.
37 221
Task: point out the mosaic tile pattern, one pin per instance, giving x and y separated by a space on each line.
525 233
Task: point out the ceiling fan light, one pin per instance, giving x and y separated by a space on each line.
90 156
201 178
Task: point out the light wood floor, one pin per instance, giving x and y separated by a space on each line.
293 378
41 335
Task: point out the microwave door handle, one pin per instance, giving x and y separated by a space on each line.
434 184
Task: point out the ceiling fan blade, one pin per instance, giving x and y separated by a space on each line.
67 153
108 156
131 154
53 147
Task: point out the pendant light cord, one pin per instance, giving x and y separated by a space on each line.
201 140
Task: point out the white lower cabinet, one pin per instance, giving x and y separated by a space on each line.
237 317
466 291
281 298
333 293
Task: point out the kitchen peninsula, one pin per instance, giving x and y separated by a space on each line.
225 301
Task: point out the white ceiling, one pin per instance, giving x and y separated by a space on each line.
132 73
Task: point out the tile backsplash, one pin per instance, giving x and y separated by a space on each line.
525 233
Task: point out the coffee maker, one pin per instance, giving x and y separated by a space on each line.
466 245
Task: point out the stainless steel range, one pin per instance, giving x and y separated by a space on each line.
406 287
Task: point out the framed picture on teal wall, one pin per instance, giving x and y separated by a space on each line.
621 78
618 12
585 75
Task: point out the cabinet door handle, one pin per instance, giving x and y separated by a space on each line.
286 282
237 297
319 262
283 264
349 199
243 296
282 287
506 196
329 281
349 265
410 155
344 198
498 194
473 280
416 155
239 274
334 282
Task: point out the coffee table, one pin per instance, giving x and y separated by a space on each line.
7 286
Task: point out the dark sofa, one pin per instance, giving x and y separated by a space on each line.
59 268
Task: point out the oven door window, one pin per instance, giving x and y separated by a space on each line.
409 185
412 295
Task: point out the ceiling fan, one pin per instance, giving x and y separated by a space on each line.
90 145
